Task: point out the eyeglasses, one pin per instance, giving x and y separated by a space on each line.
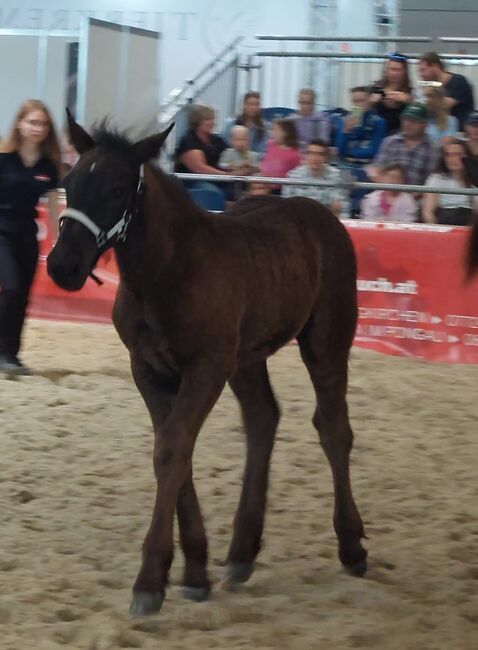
396 56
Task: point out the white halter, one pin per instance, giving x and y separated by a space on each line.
102 236
118 231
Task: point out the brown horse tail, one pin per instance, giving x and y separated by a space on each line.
472 253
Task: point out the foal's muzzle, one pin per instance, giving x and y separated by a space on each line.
69 266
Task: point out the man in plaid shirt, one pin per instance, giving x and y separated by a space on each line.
409 148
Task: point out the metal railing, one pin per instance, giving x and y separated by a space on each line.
282 73
345 184
178 97
349 39
457 39
215 84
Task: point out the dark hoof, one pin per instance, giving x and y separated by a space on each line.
145 603
197 594
239 572
357 570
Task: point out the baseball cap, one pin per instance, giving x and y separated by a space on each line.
417 112
472 118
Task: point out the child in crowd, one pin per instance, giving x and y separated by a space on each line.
239 159
282 153
390 205
441 125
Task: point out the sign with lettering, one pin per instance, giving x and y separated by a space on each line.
413 300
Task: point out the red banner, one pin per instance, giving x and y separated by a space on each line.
92 304
413 300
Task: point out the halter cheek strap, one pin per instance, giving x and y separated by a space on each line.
117 233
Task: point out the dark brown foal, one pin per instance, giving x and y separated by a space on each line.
204 300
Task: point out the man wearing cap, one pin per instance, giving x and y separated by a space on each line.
459 93
410 148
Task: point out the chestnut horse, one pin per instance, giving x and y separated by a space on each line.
203 300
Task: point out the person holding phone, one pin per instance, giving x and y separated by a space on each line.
393 91
360 133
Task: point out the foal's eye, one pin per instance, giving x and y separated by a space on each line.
117 192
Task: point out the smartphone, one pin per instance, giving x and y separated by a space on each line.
428 84
357 113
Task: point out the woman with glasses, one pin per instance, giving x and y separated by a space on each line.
29 167
393 91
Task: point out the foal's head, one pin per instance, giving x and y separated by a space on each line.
101 195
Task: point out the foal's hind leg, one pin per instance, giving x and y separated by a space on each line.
327 364
260 415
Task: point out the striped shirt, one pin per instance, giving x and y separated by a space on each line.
325 195
418 161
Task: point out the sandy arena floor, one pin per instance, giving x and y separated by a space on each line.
76 491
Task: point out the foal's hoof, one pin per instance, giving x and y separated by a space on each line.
239 572
145 603
197 594
357 570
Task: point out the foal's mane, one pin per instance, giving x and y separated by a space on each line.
111 140
116 142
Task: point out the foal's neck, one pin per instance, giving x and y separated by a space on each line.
165 219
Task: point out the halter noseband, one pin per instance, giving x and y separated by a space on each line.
117 232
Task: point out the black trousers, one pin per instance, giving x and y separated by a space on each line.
18 260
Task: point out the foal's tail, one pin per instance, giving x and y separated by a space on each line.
472 253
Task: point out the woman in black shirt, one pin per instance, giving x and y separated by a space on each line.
393 92
199 149
29 167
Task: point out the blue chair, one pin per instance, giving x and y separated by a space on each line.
208 199
276 112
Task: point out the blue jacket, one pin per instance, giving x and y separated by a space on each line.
363 142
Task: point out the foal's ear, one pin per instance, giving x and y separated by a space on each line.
150 147
80 139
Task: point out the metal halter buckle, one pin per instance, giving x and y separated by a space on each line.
101 239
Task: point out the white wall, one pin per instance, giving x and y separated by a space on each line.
193 31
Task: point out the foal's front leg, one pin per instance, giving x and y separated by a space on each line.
159 392
174 441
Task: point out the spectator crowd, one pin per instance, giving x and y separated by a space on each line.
393 133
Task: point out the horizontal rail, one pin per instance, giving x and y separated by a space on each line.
358 55
465 191
349 39
457 39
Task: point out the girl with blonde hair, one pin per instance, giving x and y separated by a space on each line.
440 123
29 168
